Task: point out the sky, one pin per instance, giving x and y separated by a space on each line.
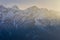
23 4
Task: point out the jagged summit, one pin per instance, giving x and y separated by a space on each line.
15 7
33 8
1 6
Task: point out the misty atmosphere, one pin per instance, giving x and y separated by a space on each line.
32 23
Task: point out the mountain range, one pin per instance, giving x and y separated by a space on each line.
32 23
33 13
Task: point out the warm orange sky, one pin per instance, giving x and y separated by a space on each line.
23 4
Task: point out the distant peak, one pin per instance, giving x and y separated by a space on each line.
34 8
1 6
15 7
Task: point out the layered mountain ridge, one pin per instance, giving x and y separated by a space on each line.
33 13
32 23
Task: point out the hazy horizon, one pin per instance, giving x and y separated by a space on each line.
23 4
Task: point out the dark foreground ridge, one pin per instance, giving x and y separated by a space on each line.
31 32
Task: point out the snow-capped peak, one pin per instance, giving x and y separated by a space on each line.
15 7
2 8
33 8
